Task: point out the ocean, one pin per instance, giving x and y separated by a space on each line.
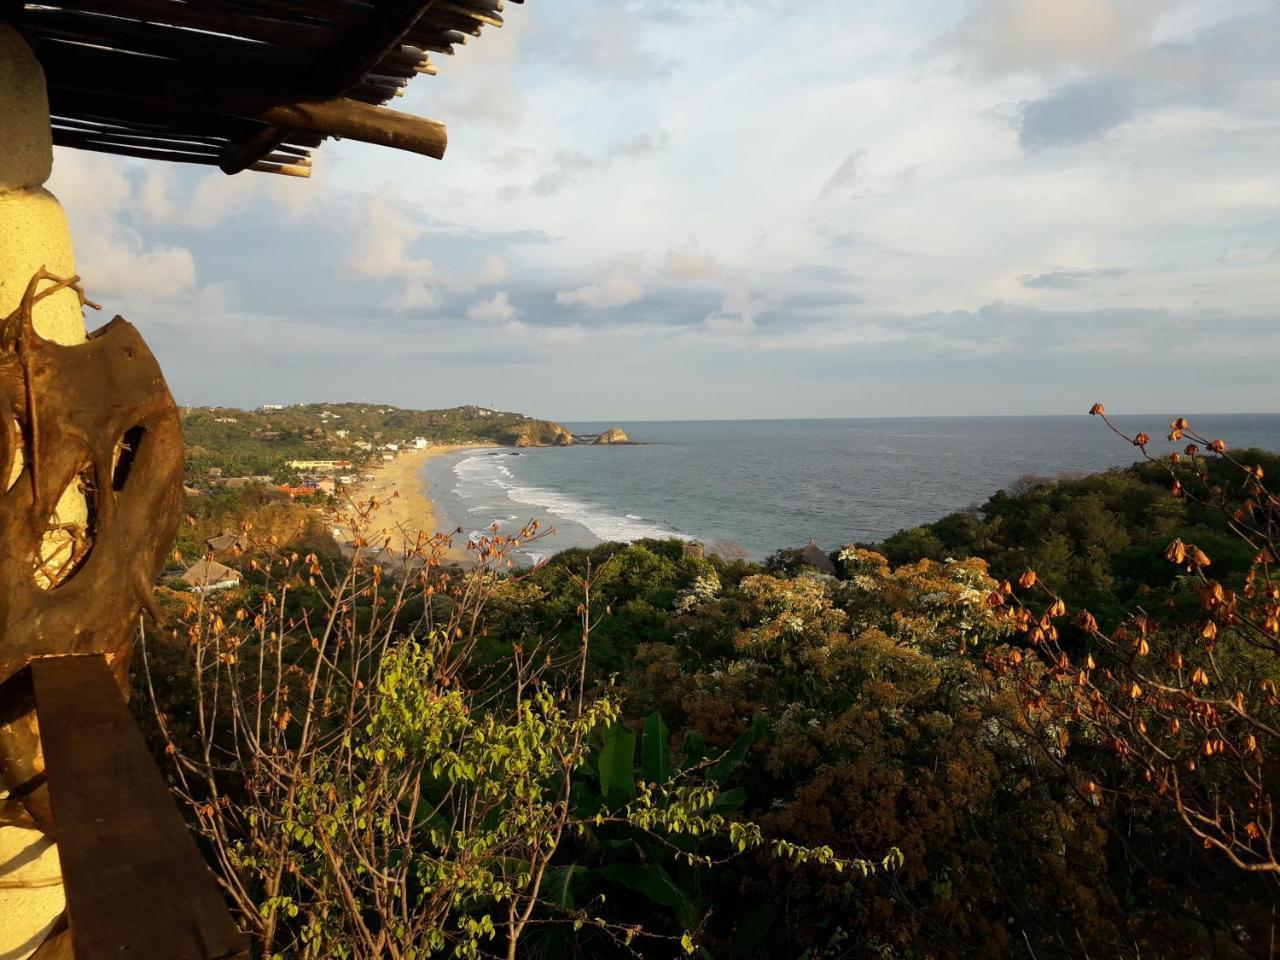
767 484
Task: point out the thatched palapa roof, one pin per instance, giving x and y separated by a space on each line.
241 84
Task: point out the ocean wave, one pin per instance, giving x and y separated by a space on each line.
484 472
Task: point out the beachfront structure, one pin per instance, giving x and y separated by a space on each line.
91 444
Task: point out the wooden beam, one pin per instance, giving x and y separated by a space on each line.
366 122
338 70
136 884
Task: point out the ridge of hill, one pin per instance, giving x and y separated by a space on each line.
267 439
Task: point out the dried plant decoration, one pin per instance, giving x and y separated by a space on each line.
93 425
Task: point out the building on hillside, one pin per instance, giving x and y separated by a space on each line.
238 483
695 549
272 406
224 542
420 443
341 434
225 420
206 576
314 464
813 556
363 445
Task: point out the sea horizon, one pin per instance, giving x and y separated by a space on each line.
767 484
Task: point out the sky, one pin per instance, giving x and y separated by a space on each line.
748 208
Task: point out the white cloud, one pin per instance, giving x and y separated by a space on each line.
416 297
561 335
495 271
112 257
384 233
616 291
496 309
1047 34
690 263
738 313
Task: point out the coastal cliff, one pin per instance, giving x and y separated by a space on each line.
536 433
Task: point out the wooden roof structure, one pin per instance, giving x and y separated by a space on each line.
241 84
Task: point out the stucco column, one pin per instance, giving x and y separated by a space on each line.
33 234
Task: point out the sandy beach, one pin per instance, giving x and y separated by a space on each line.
405 503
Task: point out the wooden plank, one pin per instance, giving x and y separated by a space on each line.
135 881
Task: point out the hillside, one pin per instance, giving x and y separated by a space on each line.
265 440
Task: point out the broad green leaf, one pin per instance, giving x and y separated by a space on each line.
729 800
653 882
655 752
695 748
724 767
617 765
557 888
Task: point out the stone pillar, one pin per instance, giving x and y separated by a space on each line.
33 234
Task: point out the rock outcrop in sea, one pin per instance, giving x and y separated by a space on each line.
617 435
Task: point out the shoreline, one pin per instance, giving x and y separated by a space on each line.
405 504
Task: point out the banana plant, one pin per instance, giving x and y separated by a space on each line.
634 874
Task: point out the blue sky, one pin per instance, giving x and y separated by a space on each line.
749 208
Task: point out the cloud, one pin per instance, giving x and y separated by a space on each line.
737 314
416 297
554 336
496 309
1013 35
566 168
690 263
112 256
384 234
616 291
1077 113
1063 279
495 270
845 177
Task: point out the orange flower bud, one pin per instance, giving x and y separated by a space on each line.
1142 439
1199 558
1199 677
1217 446
1135 691
1180 424
1027 580
1096 410
1210 630
1176 552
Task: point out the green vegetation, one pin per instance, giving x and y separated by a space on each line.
1096 540
635 751
258 442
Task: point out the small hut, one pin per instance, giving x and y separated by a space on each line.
225 542
813 556
206 576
